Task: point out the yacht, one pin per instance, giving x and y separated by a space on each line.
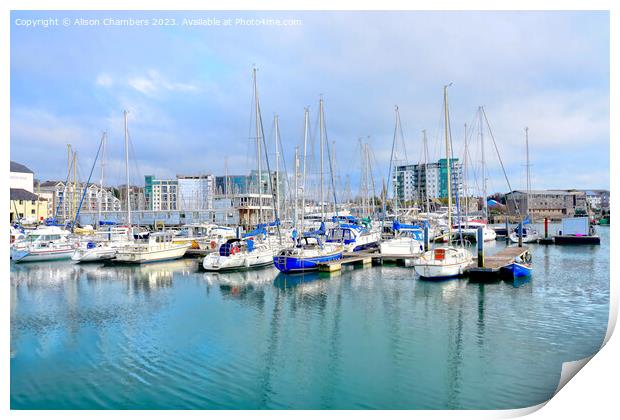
308 253
444 261
239 254
151 247
44 243
353 237
469 230
102 246
528 235
408 240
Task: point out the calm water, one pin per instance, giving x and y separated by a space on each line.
169 336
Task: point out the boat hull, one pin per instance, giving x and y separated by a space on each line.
516 270
93 255
296 264
22 256
148 256
402 246
526 239
214 262
440 272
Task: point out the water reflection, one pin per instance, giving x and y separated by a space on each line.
89 336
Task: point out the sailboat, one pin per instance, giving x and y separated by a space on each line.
103 243
309 249
256 248
408 239
445 261
468 228
528 234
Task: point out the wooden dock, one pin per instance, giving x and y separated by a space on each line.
347 258
364 259
493 264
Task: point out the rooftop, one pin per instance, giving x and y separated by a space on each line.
18 167
21 194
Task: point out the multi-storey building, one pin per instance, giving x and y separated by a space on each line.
195 192
160 194
136 197
64 200
419 181
553 204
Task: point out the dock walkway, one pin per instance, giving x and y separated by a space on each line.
493 263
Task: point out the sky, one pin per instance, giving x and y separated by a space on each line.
188 90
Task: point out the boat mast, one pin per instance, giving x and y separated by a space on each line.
448 163
527 173
484 177
277 132
396 130
428 204
103 142
74 207
303 181
66 191
465 189
372 178
125 112
321 141
258 148
295 207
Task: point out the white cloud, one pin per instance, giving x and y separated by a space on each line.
104 80
154 83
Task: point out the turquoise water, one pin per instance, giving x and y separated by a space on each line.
169 336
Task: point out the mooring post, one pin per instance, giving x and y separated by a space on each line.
520 234
546 228
426 238
480 240
507 232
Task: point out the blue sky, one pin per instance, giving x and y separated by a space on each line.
189 89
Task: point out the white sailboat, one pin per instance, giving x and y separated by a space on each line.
257 248
407 239
239 254
528 234
445 261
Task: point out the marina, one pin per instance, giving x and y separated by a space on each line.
171 336
276 212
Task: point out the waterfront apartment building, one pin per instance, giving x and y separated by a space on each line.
136 197
553 204
64 200
417 182
160 194
598 200
195 192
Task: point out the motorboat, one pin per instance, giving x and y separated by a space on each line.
44 243
151 247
